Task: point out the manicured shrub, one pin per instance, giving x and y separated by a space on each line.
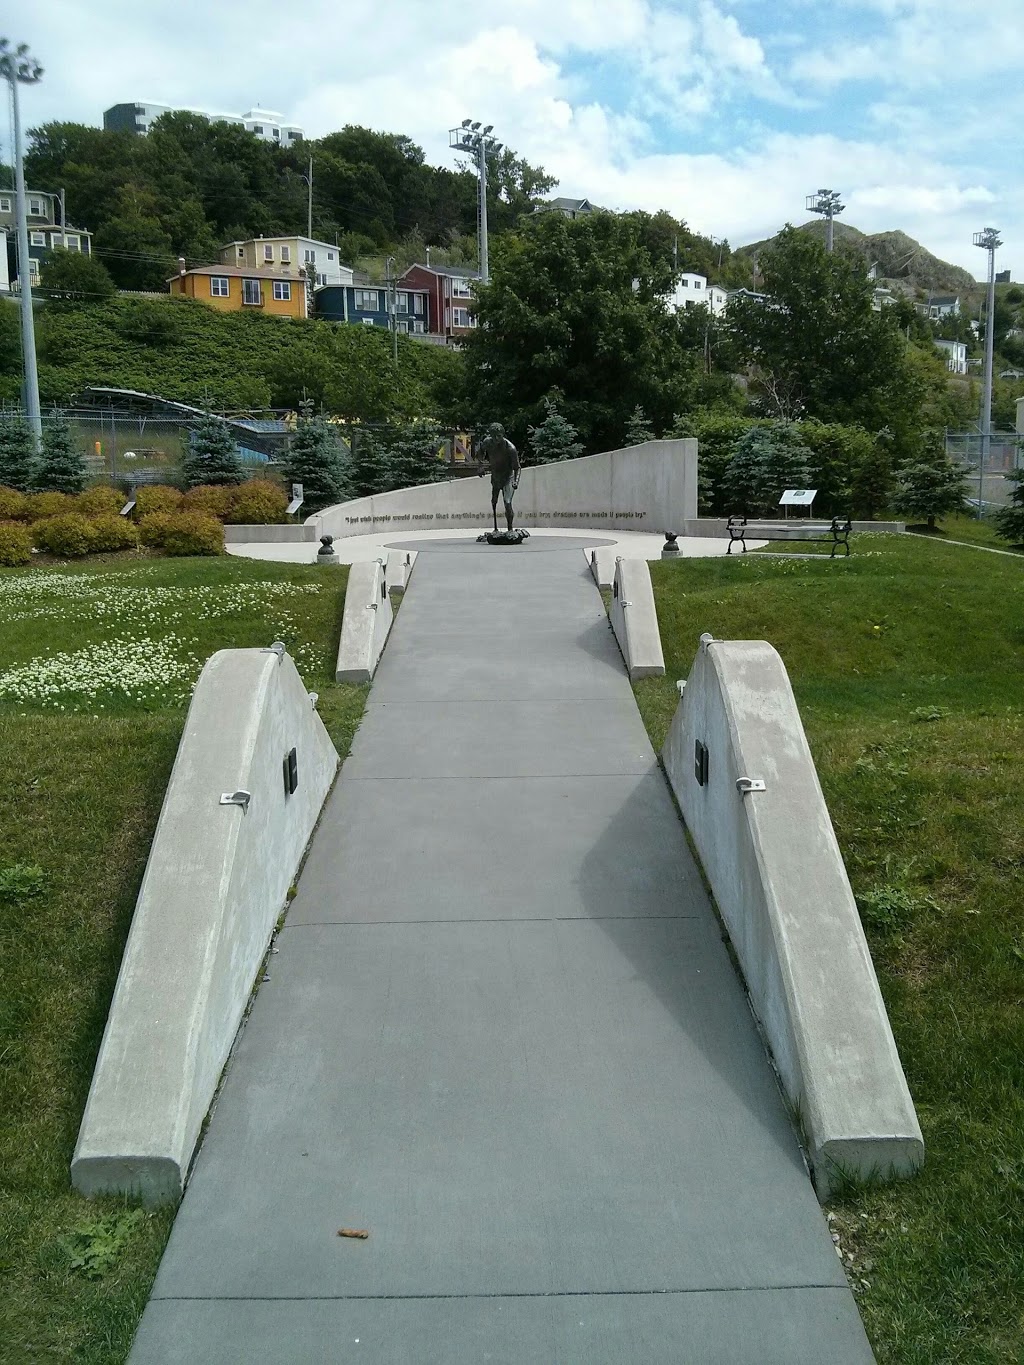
156 497
41 505
194 533
13 505
257 502
212 499
154 527
67 535
111 532
101 501
15 544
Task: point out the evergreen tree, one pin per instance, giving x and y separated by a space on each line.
368 465
316 459
638 429
931 488
412 455
212 456
61 468
17 452
1010 519
555 438
767 460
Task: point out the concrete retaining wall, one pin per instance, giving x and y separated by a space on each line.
398 570
718 527
365 624
635 621
649 487
270 535
601 563
777 874
215 883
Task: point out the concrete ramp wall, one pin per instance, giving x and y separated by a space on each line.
648 487
635 620
216 881
366 623
777 874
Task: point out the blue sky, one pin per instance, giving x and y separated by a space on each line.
726 112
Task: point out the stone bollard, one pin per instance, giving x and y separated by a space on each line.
670 550
326 553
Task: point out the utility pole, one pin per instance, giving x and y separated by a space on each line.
391 288
826 202
309 202
988 240
469 137
19 67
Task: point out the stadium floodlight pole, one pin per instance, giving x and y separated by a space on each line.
471 137
18 67
988 240
826 202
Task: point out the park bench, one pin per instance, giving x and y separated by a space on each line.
836 534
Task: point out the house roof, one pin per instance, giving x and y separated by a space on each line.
256 272
56 227
462 272
943 298
282 237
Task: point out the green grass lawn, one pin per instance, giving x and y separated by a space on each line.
975 532
907 662
97 663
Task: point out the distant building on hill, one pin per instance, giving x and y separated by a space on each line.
449 290
139 116
365 302
46 230
570 208
942 306
956 355
692 290
290 254
230 290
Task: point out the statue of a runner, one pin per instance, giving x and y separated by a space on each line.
501 460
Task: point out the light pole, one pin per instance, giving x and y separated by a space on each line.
827 203
470 137
18 67
988 240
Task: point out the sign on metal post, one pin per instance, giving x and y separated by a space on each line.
296 501
798 497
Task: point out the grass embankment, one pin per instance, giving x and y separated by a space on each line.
906 660
84 774
973 531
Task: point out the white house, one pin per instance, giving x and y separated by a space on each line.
140 115
692 289
291 253
956 355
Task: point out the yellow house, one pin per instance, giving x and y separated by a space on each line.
278 292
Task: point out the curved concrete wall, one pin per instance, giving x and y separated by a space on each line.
215 883
635 620
366 622
649 487
778 876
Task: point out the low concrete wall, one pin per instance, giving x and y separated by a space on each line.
718 526
398 570
215 883
270 535
366 623
601 563
635 621
648 487
778 876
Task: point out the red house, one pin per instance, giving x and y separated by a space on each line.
449 290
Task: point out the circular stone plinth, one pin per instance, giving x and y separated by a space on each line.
535 544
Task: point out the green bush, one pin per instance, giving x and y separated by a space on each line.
257 503
212 499
67 535
154 527
13 505
42 505
101 501
157 497
111 532
15 544
194 533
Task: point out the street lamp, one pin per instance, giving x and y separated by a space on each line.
826 202
19 67
988 240
471 137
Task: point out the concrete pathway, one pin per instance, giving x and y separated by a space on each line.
502 1034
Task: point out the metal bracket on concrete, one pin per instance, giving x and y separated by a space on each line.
314 697
278 648
750 784
680 685
239 798
706 639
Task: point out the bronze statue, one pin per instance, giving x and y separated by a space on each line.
501 460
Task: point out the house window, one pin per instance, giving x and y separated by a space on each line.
219 288
241 253
418 304
74 242
309 256
418 329
277 133
37 239
257 128
403 302
268 253
252 292
696 284
367 301
286 255
33 268
282 291
367 322
35 208
330 255
461 289
684 284
5 206
461 317
321 279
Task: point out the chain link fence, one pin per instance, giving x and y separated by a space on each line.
989 486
